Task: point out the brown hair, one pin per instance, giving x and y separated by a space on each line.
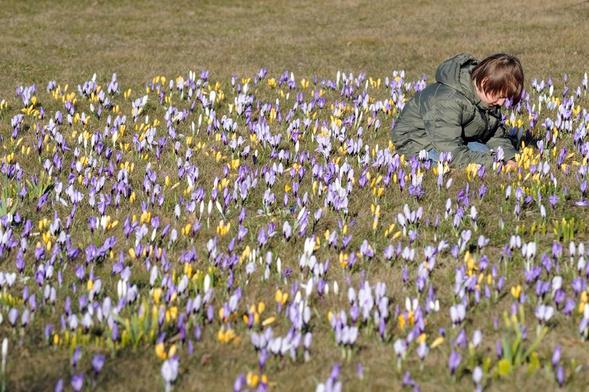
504 76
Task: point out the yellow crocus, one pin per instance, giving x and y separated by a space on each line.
437 342
160 351
516 291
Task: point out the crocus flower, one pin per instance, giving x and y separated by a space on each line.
240 383
76 356
556 356
477 338
477 377
457 314
461 340
560 376
544 313
553 199
97 363
4 355
407 381
78 381
170 371
422 350
12 316
25 317
331 385
569 306
401 350
454 361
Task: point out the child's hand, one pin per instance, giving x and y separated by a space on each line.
511 165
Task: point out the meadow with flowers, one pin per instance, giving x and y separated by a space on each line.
260 217
259 232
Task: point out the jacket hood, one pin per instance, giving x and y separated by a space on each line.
455 73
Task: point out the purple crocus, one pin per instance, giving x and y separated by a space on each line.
499 349
461 340
454 361
569 306
76 356
556 356
240 383
407 381
78 381
242 231
59 385
20 261
98 363
12 316
553 200
560 376
25 318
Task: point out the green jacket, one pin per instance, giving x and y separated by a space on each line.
448 114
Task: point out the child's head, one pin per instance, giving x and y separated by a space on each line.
500 75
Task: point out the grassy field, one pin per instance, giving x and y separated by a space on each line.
138 40
204 194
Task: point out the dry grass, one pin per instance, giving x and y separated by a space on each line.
70 42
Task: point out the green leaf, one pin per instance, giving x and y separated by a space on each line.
139 336
507 350
534 345
517 350
486 365
118 318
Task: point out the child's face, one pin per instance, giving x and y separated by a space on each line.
491 99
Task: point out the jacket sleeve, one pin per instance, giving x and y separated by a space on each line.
443 123
500 139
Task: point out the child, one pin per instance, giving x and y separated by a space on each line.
460 113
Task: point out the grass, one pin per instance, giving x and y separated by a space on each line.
71 42
143 41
